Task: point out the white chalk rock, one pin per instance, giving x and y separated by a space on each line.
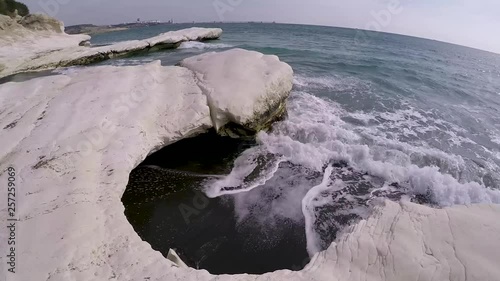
407 241
40 43
184 35
74 139
38 37
225 78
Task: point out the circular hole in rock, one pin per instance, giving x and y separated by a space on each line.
165 204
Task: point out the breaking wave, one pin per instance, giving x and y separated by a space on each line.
324 166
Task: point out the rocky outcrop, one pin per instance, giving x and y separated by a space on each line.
6 22
53 127
27 41
40 22
38 42
407 241
237 108
20 30
73 145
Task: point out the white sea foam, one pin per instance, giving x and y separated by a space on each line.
202 46
495 138
309 203
312 137
337 83
392 160
251 169
315 134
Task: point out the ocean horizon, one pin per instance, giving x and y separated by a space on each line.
210 23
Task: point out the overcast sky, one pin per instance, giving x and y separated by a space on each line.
474 23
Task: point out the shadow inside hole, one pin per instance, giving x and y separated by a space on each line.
166 207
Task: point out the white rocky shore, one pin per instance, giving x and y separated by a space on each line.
38 42
74 138
73 145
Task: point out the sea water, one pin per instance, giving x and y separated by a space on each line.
388 116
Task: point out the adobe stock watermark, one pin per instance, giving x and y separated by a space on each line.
52 7
493 83
222 7
380 21
199 203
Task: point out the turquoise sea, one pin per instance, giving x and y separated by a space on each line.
371 116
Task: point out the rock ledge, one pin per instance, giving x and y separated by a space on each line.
38 42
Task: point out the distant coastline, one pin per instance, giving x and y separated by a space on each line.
97 29
91 29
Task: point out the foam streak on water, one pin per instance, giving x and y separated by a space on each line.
308 209
252 169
